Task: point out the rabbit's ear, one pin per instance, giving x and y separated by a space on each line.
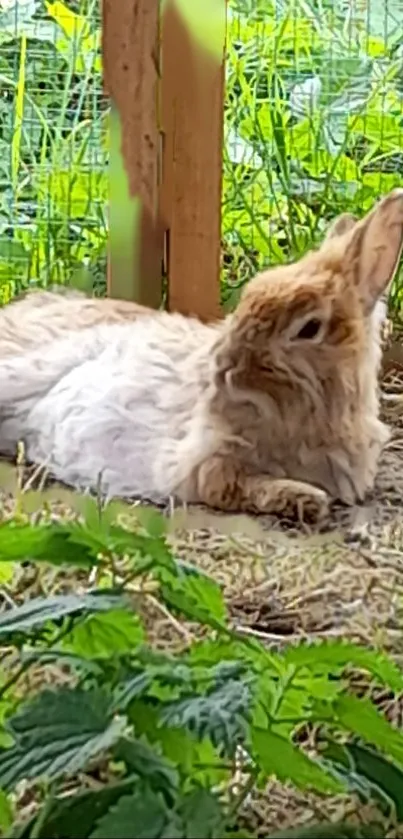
373 248
340 225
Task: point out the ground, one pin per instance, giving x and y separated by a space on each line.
282 584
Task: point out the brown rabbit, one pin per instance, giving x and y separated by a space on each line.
274 409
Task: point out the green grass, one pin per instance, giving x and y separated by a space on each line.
313 124
53 174
313 128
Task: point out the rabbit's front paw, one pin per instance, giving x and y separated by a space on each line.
288 498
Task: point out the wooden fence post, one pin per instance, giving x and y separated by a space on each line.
131 76
192 120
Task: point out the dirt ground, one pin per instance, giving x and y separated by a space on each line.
283 584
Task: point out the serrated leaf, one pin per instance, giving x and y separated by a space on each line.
197 597
56 733
144 761
141 815
222 714
360 718
130 689
76 816
197 759
279 757
152 521
379 771
171 678
44 543
141 544
103 635
38 611
357 760
52 655
201 814
334 656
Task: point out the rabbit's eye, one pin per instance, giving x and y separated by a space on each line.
310 329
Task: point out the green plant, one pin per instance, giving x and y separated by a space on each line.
54 185
313 124
160 731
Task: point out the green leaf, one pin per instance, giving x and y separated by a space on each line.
56 733
141 815
197 759
201 814
44 543
144 761
152 520
222 714
74 817
6 812
53 655
6 572
358 762
279 757
381 772
104 635
38 611
195 595
130 689
333 656
360 717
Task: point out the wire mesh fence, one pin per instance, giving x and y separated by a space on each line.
53 145
313 123
313 126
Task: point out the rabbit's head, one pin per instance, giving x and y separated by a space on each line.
304 349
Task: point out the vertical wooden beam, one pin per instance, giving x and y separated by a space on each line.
192 121
131 76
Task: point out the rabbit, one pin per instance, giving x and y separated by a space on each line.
274 409
39 317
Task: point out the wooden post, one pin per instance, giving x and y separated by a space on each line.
192 121
131 76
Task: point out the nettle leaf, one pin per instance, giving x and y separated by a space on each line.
222 714
76 816
278 757
142 544
131 689
366 769
38 611
141 815
56 734
360 718
53 655
380 772
202 815
198 759
173 678
144 761
334 656
104 635
153 522
195 595
45 543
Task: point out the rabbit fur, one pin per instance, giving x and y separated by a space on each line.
273 409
